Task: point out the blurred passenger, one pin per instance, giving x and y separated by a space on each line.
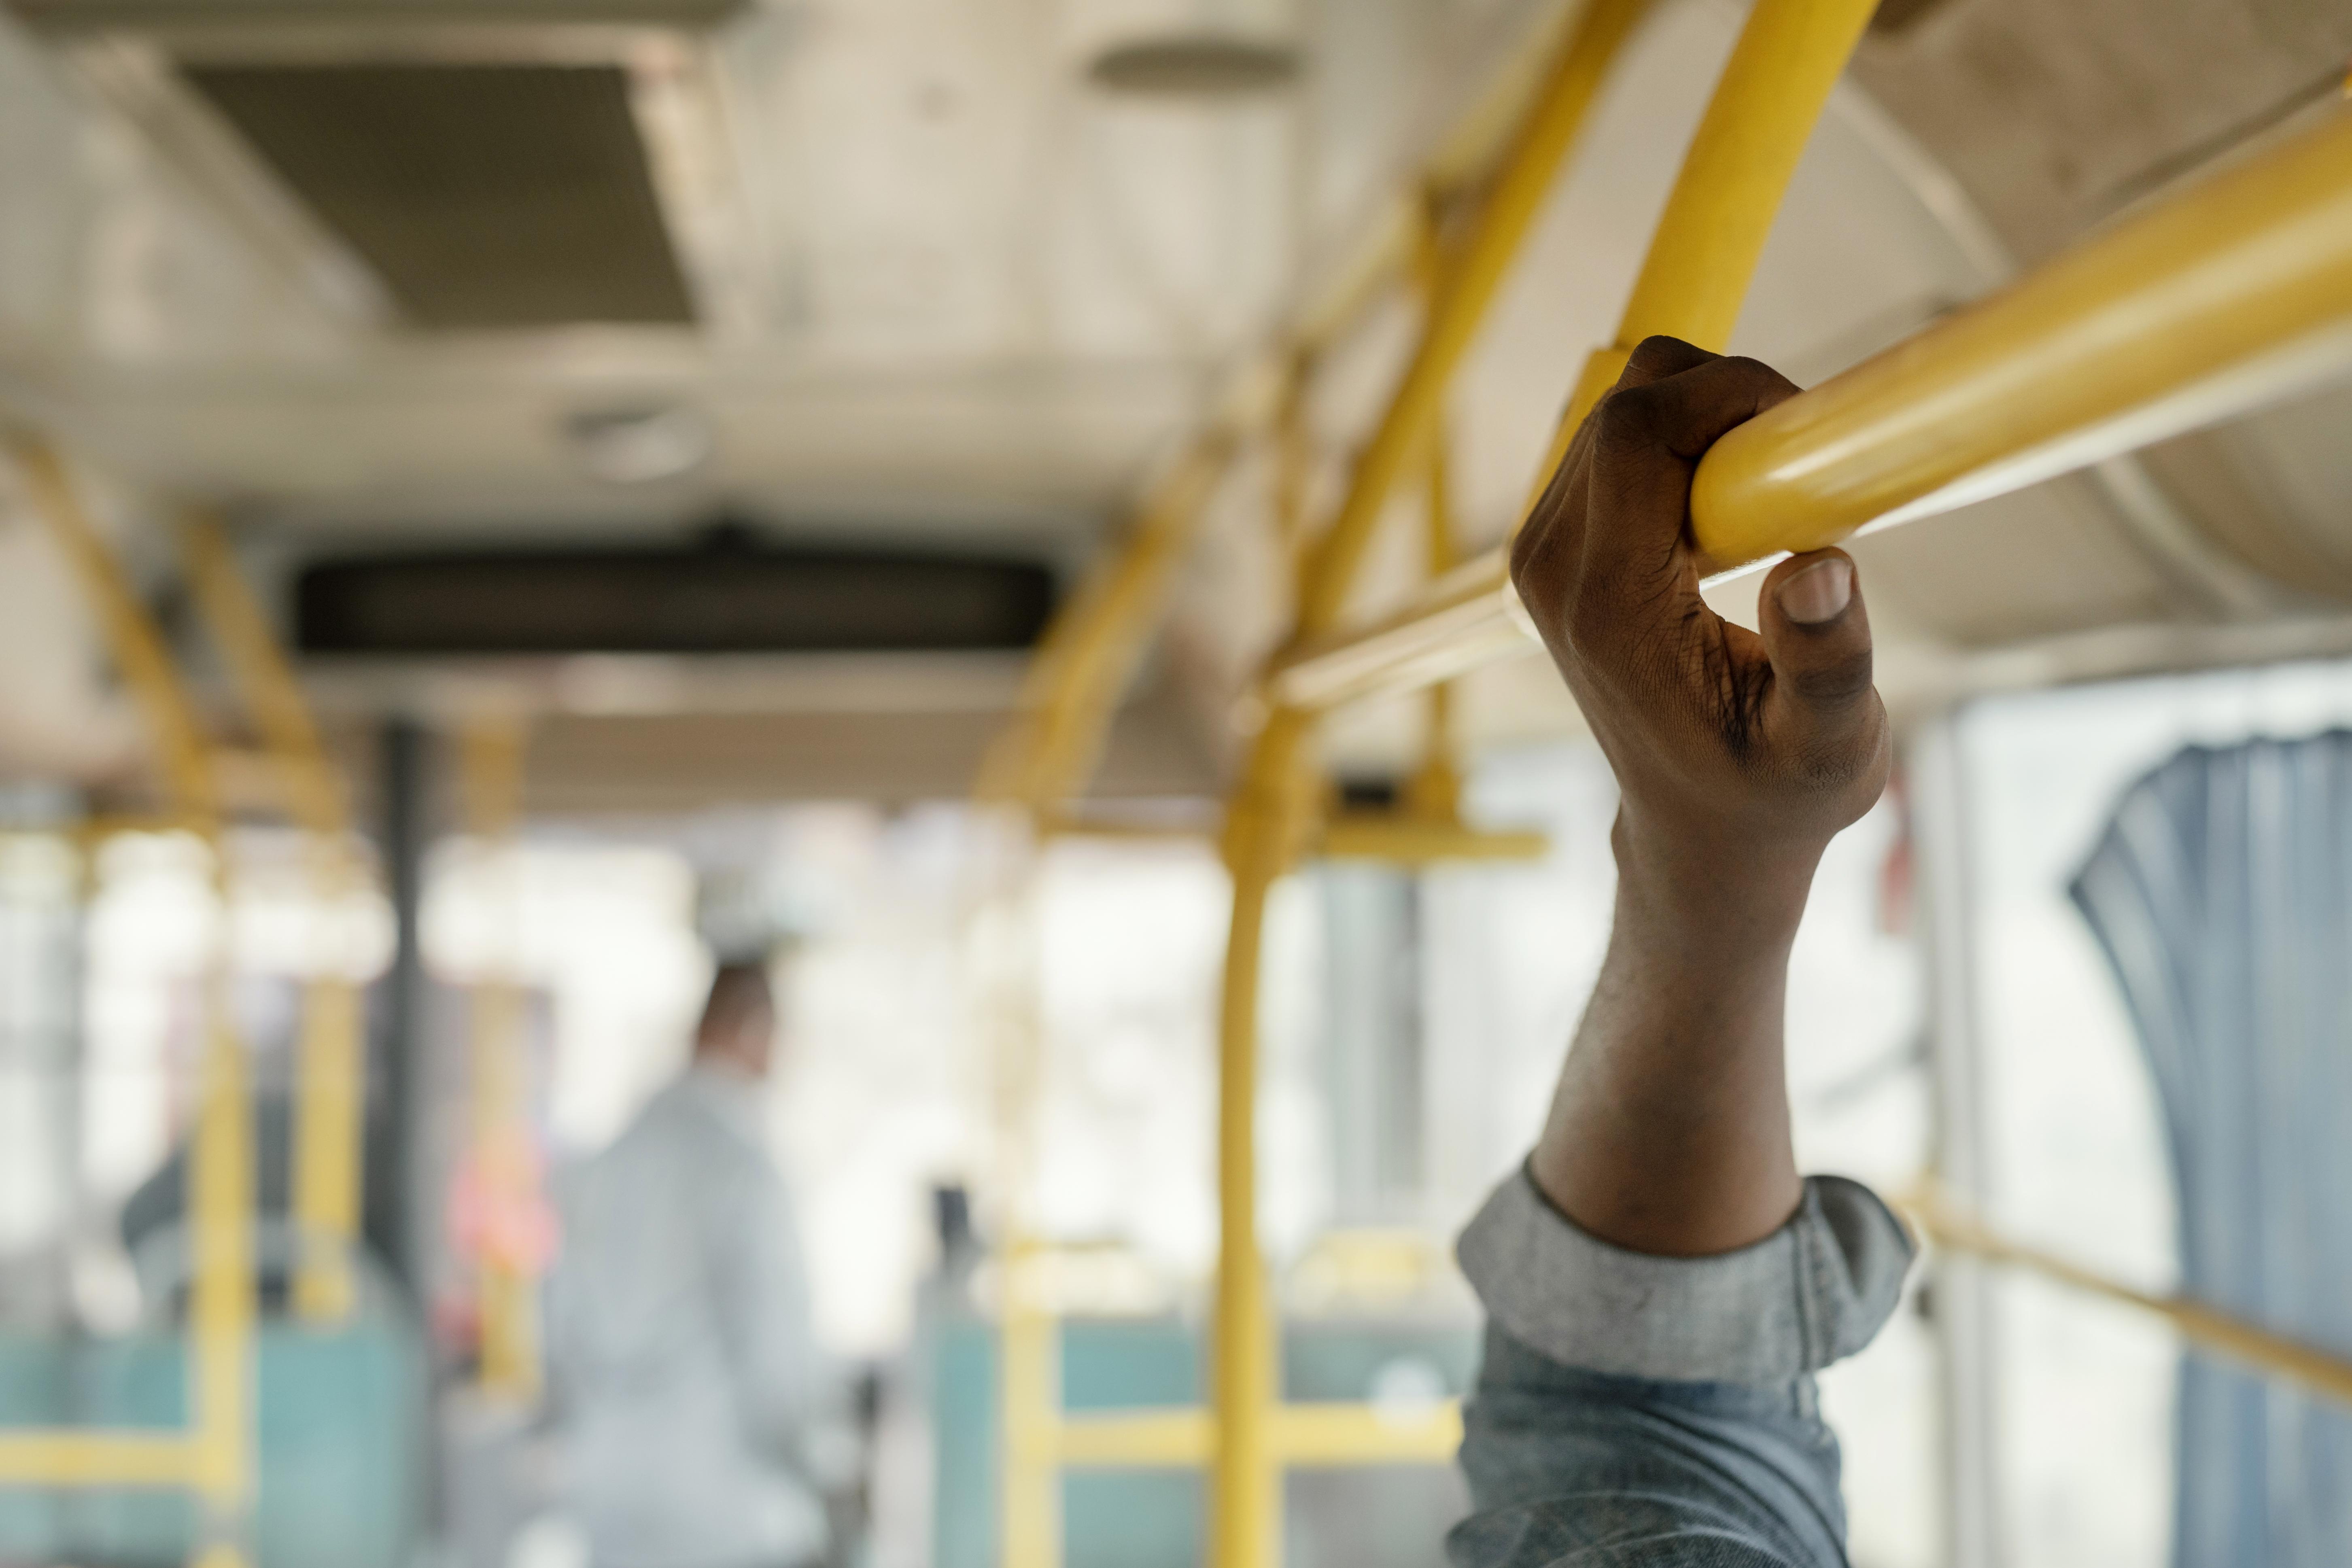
683 1374
1660 1284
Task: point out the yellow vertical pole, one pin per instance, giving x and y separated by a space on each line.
329 1104
221 1303
1264 825
1030 1387
493 755
1434 791
1694 278
222 1308
1270 810
1458 309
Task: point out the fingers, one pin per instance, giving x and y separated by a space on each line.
1650 436
1816 634
1656 358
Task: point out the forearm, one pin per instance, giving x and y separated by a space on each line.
1669 1133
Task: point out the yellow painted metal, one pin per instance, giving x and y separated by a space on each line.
330 1111
1029 1407
1335 1435
1952 1225
1136 1439
117 1458
2228 295
1467 619
212 1457
1694 278
181 753
1510 141
491 760
1475 272
265 682
1298 1435
221 1307
2117 342
1266 819
1072 688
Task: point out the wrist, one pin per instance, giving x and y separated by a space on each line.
1721 890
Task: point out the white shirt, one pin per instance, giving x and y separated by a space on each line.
683 1369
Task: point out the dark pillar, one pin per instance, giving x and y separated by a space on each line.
398 1069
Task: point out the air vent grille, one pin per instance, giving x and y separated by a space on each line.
483 195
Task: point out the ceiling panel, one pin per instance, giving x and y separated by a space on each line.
482 196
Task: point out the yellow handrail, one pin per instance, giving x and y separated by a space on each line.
2229 295
1073 686
329 1077
1952 1225
2040 378
212 1454
1772 90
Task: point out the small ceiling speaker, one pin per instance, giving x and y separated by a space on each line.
639 445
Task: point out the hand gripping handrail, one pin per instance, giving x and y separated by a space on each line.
2230 295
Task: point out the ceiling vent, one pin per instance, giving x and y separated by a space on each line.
482 196
441 165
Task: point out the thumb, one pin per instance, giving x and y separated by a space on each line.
1817 635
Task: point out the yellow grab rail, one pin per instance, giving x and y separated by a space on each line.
212 1457
1781 73
1472 274
1953 1226
328 1116
1073 686
2231 294
2085 357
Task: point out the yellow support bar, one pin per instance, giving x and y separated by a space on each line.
214 1458
2117 342
66 1457
328 1116
1072 687
1952 1225
1335 1437
1268 816
1030 1402
265 682
221 1308
182 755
1773 88
2225 297
1473 274
1694 278
1136 1439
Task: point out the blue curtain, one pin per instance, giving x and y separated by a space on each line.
2222 893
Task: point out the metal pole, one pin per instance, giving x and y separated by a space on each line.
1268 817
330 1104
215 1455
2229 296
1474 273
504 1161
404 751
1960 1288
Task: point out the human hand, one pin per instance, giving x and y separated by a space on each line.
1738 755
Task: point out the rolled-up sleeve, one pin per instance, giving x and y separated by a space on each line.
1639 1409
1814 1290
